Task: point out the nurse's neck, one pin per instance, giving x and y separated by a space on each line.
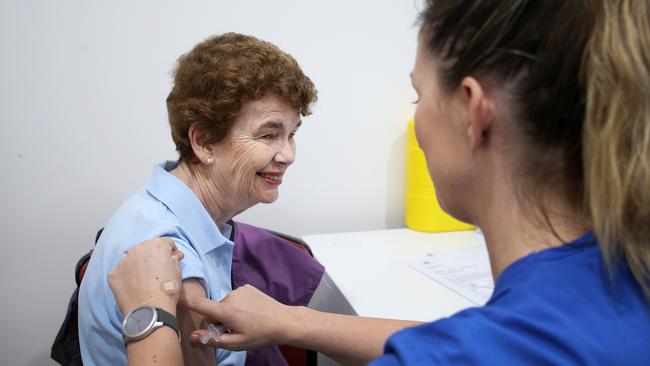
513 232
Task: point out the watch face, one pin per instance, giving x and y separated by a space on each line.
139 321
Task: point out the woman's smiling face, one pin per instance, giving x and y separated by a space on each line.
251 161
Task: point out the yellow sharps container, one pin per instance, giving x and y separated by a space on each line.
423 212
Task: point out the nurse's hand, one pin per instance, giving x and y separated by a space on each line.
149 274
254 320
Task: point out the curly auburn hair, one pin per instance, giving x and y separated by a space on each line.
219 75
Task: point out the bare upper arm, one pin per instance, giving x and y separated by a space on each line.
188 321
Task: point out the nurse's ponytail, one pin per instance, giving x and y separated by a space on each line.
616 134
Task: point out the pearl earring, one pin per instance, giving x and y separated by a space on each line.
210 160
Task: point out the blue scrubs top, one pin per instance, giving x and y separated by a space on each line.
164 207
558 306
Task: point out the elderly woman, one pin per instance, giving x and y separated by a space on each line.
234 109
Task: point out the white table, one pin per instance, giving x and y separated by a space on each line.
370 273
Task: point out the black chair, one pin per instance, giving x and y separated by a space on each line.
65 349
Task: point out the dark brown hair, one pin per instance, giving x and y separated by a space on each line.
535 48
214 80
577 72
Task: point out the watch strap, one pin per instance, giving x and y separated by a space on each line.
169 320
162 318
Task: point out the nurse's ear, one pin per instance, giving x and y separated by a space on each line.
480 112
203 150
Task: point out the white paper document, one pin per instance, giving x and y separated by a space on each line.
465 271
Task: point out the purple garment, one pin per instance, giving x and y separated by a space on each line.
276 267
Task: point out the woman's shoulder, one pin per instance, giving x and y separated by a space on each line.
142 209
139 217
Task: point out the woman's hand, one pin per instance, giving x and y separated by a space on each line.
253 318
148 274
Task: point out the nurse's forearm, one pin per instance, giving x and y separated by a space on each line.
348 339
160 348
257 320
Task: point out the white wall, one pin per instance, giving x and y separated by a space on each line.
83 120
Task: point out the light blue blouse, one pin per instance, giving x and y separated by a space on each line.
164 207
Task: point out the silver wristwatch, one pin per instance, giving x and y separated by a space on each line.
142 321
